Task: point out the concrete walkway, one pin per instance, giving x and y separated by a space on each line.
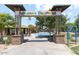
38 46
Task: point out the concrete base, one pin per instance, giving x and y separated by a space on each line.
59 38
16 39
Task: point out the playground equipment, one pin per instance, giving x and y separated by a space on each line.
75 31
76 34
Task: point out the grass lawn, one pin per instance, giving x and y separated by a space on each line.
75 50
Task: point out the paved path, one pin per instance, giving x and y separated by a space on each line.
38 46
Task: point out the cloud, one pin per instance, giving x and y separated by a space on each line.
76 6
43 6
70 14
48 6
38 6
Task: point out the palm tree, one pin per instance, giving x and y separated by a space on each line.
6 20
10 21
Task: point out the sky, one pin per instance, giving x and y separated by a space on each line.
71 12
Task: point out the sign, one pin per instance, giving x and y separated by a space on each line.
38 13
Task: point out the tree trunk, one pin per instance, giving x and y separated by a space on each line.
1 35
50 33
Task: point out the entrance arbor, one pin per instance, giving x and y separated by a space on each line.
55 11
56 37
19 11
20 14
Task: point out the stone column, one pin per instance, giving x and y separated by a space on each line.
59 24
18 24
58 37
56 24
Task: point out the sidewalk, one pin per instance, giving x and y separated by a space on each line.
2 47
39 46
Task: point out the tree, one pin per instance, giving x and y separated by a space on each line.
72 25
40 22
10 22
45 22
77 22
50 22
6 20
63 23
32 28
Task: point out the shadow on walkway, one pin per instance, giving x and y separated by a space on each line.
42 36
37 40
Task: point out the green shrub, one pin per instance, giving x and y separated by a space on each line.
8 40
75 49
1 41
72 39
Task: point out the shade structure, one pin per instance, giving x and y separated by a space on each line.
59 7
15 7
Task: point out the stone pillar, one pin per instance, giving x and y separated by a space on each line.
58 37
17 39
18 24
58 22
57 25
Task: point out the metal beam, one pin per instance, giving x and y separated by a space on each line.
15 7
59 7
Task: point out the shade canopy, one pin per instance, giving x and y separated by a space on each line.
59 8
20 7
15 7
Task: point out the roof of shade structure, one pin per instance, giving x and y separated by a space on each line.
15 7
59 7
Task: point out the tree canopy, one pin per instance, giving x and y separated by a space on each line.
77 22
32 28
50 22
6 20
